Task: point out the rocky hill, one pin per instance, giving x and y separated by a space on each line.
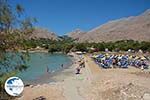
76 34
134 27
43 33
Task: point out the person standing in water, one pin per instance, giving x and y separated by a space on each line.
47 69
62 65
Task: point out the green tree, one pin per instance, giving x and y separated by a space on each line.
81 47
19 10
66 48
53 48
6 16
11 37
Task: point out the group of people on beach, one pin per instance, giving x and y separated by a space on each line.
121 61
81 65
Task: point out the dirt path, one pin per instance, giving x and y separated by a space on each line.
90 64
73 85
71 89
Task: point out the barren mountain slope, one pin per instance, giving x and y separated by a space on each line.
135 28
43 33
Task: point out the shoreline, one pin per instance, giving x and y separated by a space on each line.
50 77
93 83
38 51
57 84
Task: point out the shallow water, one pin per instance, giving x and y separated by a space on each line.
39 62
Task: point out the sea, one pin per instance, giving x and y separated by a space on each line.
40 63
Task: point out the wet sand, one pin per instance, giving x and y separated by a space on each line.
93 83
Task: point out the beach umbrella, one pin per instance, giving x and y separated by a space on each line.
106 54
136 57
103 58
130 57
100 56
143 58
93 56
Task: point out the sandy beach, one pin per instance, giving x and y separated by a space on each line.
93 83
74 49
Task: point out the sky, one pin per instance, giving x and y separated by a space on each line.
63 16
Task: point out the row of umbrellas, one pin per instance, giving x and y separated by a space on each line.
121 61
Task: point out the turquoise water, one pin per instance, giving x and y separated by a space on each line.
39 62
